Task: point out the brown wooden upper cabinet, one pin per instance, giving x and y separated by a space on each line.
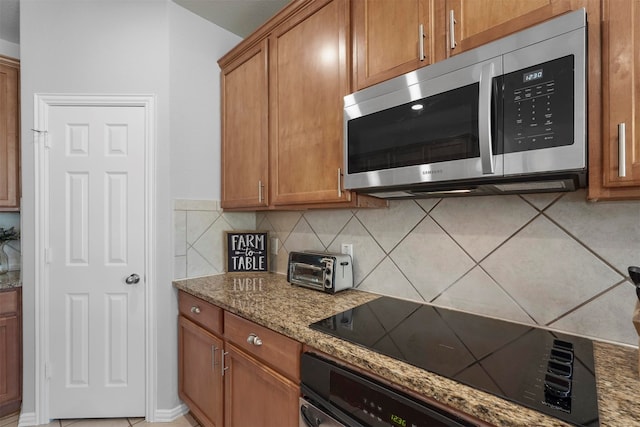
471 23
9 134
309 78
615 166
283 88
245 130
391 38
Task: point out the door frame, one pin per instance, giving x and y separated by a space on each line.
42 103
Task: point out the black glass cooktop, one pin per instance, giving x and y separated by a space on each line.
544 370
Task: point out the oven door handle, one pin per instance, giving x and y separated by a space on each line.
484 118
306 417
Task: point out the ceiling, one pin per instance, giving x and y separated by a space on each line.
240 17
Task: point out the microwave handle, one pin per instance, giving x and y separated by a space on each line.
484 118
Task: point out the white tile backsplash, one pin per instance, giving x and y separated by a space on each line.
481 224
431 259
389 226
547 271
477 292
548 259
199 227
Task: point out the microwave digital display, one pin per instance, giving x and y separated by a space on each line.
531 76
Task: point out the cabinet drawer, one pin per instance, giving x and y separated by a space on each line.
8 302
207 315
280 352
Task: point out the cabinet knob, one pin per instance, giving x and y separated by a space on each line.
195 309
254 339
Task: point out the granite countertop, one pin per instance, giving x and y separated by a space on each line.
10 280
268 300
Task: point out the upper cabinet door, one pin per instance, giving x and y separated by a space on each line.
476 22
309 79
390 38
620 101
9 135
245 144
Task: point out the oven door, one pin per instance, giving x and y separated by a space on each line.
312 416
430 125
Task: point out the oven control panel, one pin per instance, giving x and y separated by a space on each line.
367 402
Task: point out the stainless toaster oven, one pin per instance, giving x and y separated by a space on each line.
322 271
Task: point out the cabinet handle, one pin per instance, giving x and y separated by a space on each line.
339 182
421 54
195 309
622 150
213 356
254 339
222 367
452 30
260 186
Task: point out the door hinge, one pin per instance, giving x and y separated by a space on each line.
45 137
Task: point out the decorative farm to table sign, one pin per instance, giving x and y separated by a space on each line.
246 251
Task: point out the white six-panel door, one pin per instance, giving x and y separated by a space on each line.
96 242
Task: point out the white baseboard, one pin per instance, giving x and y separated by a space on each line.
27 419
168 415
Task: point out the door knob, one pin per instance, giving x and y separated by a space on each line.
132 279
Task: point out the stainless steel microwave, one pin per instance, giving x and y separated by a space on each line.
507 117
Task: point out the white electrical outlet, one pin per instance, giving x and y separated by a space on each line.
275 245
347 248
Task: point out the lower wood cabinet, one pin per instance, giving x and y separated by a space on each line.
233 372
200 381
10 351
257 395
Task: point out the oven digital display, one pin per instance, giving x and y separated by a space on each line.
375 408
399 421
532 75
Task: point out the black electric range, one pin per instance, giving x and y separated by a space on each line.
534 367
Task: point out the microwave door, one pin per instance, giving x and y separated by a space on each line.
441 128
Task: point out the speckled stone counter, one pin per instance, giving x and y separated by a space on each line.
10 280
269 300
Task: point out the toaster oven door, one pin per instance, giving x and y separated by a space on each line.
309 275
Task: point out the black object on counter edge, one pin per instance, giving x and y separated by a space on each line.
634 274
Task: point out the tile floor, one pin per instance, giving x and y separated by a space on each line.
184 421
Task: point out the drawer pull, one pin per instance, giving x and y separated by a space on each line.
195 309
254 339
222 367
213 356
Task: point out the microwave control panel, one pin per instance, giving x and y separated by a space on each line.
538 106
